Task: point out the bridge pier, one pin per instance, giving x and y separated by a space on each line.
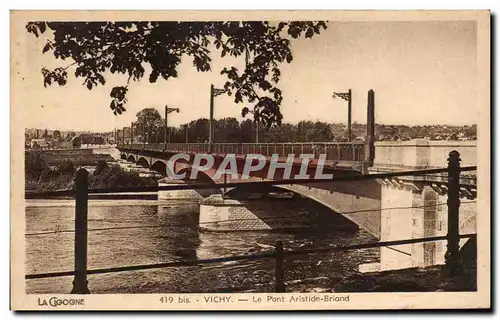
220 214
190 195
408 212
416 206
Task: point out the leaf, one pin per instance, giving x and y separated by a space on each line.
101 79
309 33
238 97
47 47
153 76
42 27
244 112
130 48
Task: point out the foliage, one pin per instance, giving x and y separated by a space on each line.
39 176
115 177
100 167
70 135
67 167
77 142
313 131
95 48
35 164
56 134
230 130
149 124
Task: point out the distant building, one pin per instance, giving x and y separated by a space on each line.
62 144
39 144
89 138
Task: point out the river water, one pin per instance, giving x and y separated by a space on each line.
141 232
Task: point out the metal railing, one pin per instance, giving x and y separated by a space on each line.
337 151
81 194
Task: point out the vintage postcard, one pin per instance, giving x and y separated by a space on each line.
250 160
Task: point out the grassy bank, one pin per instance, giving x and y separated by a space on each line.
42 177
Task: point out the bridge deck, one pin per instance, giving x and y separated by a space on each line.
349 153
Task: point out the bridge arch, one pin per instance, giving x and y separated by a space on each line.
302 192
143 162
123 156
131 158
160 167
243 192
201 177
368 218
340 203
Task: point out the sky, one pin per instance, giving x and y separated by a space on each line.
422 72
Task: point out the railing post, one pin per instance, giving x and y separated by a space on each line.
211 120
369 154
81 212
279 272
453 202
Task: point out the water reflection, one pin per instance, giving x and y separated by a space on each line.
143 232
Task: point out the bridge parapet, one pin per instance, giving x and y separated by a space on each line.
421 154
335 151
424 154
425 195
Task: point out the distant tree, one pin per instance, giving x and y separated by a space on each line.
284 133
313 131
46 133
67 167
184 133
148 121
247 131
56 134
198 130
100 167
227 130
35 164
95 48
77 142
99 140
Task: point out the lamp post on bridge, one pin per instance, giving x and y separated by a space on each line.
123 135
143 134
213 93
167 111
347 96
187 134
131 132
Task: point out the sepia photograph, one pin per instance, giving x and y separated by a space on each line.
250 160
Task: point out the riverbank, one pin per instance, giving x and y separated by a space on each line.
70 202
429 279
435 278
41 176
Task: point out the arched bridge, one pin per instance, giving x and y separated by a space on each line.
390 209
